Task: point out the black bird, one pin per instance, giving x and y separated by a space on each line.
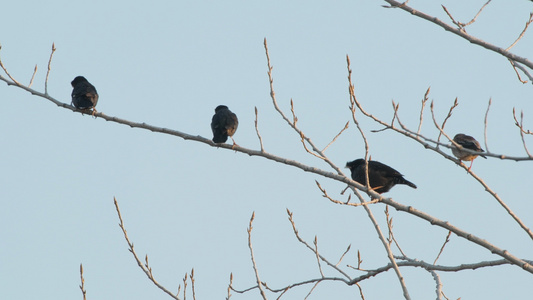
382 177
466 142
224 124
84 95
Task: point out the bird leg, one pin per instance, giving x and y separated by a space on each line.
234 144
471 162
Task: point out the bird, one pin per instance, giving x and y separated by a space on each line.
84 95
466 142
382 177
224 124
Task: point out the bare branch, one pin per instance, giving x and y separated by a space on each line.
478 13
318 152
185 287
461 33
391 234
522 33
522 131
257 131
192 284
33 76
430 267
312 248
443 245
82 286
325 195
359 286
451 17
460 25
317 256
459 232
342 256
519 66
486 122
514 65
422 110
259 284
230 286
335 138
441 128
146 269
354 102
49 68
7 73
312 289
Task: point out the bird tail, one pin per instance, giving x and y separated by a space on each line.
220 138
406 182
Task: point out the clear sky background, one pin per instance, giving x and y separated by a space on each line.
187 205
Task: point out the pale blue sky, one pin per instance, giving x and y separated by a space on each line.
169 64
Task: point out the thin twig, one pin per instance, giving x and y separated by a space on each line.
317 256
422 110
33 76
515 65
353 101
312 248
335 138
325 195
391 233
82 286
522 33
372 193
455 103
291 124
522 131
485 126
451 17
7 73
185 287
478 13
342 256
360 291
230 286
49 68
146 269
312 289
459 232
443 245
257 131
519 66
461 25
259 284
461 33
192 284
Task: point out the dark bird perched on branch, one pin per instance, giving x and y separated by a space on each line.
224 124
382 177
466 142
84 95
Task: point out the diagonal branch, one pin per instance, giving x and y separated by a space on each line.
259 284
146 268
461 33
82 286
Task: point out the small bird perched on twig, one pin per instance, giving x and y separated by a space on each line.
84 95
224 124
466 142
382 177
